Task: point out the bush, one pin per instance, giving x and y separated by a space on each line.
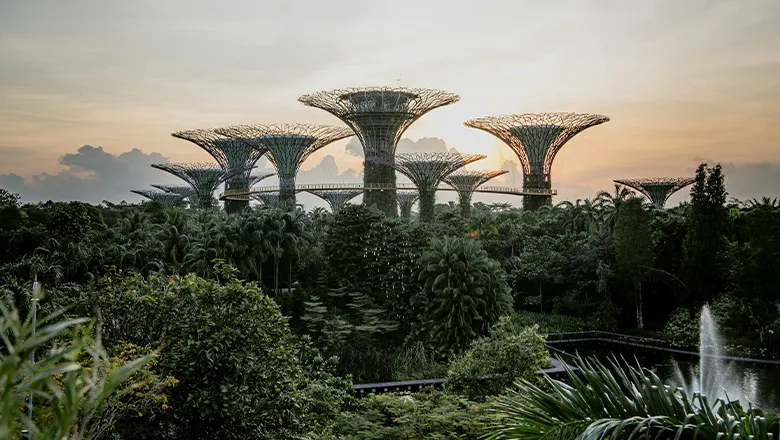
682 329
548 323
495 362
238 366
464 293
426 415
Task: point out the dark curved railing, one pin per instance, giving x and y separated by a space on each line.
554 341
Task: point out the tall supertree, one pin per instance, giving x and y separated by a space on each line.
336 198
536 138
183 190
204 177
657 189
466 181
379 116
427 170
162 198
267 198
405 201
288 145
230 154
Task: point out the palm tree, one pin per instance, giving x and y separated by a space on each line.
174 238
610 203
620 401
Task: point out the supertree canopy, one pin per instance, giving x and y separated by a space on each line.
427 170
288 145
204 177
162 198
268 199
255 178
536 138
230 154
183 190
657 189
336 198
406 200
379 116
466 181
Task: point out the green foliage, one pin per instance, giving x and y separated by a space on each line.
705 242
548 323
538 263
633 249
465 292
619 401
682 329
494 362
232 352
77 389
426 415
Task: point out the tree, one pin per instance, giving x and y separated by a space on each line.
540 262
465 292
705 244
633 248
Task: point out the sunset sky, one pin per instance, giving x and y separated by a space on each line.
683 81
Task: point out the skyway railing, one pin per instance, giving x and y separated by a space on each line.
238 193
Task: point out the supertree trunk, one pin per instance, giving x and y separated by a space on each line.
287 190
427 202
379 116
464 200
233 206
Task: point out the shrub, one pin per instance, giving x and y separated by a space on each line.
493 363
682 329
548 323
430 414
238 365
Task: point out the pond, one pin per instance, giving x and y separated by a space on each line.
760 383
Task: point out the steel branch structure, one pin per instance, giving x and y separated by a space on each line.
162 198
379 116
336 198
183 190
230 154
204 177
466 181
255 178
427 170
406 200
288 146
536 138
657 189
268 199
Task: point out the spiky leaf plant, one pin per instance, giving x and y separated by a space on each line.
621 401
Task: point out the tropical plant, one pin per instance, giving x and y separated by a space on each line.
494 362
465 293
620 401
71 400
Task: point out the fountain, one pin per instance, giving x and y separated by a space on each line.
714 376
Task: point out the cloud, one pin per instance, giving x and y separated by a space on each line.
92 175
405 146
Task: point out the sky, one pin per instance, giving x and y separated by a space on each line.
90 90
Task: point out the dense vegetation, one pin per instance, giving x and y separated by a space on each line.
253 325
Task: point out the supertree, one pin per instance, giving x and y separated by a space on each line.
536 138
204 177
405 201
657 189
379 116
162 198
268 199
288 145
255 178
230 154
466 181
427 170
336 198
183 190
